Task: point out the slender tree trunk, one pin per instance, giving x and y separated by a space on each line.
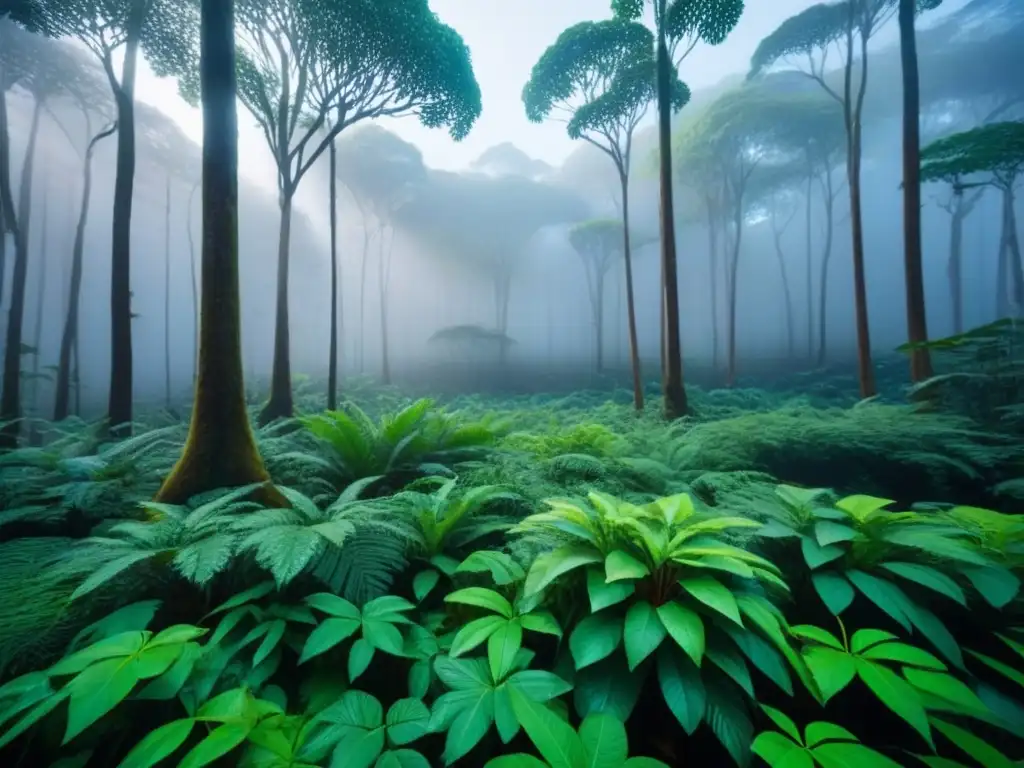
332 353
220 450
713 262
167 294
1016 264
675 404
69 337
809 266
10 399
787 294
599 318
382 281
917 320
194 285
734 264
826 260
362 295
37 333
954 267
627 251
865 368
280 404
502 295
119 402
8 218
1003 261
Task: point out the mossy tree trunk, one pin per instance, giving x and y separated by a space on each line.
69 337
10 399
220 450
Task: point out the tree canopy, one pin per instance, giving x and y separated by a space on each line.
379 167
686 22
996 148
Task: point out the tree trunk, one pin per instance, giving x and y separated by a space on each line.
362 295
502 295
332 353
37 332
786 293
8 218
10 399
917 320
954 267
713 261
1016 264
220 450
69 337
627 252
599 319
809 266
675 405
865 368
1003 262
195 286
382 281
734 264
280 404
119 402
167 294
826 259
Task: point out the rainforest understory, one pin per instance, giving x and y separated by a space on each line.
741 584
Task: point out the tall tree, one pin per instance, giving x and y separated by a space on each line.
220 450
164 30
307 62
990 155
599 78
804 42
913 267
679 25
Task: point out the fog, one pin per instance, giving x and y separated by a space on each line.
477 233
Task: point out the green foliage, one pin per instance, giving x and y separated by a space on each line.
995 148
687 21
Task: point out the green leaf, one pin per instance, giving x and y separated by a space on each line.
944 686
482 598
884 594
816 555
834 590
120 645
602 593
685 627
469 727
643 633
96 691
474 633
518 760
359 657
407 720
398 758
543 622
832 670
864 639
596 637
896 694
622 566
780 752
783 721
984 753
550 566
604 740
929 577
34 715
845 754
384 636
861 507
607 687
502 647
158 744
903 654
538 684
827 532
818 732
423 582
681 687
555 739
327 635
809 632
275 633
764 656
108 571
333 605
217 743
714 595
359 748
997 585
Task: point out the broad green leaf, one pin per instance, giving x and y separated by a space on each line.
861 507
896 694
884 594
482 598
158 744
780 752
980 750
273 636
1007 671
607 687
517 760
33 716
384 636
359 748
818 732
622 566
944 686
550 566
96 691
538 684
333 605
811 633
642 633
108 571
714 595
864 639
407 720
502 647
728 718
555 739
764 656
728 659
602 593
153 662
359 657
847 755
327 635
681 687
834 590
120 645
388 608
816 555
997 585
218 742
903 654
833 670
685 627
783 721
604 741
423 582
474 633
827 532
596 637
471 724
397 758
177 635
541 621
929 577
505 719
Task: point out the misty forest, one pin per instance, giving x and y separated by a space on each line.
699 442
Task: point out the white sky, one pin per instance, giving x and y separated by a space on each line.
505 40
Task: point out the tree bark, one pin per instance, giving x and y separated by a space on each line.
787 294
852 114
627 252
917 320
734 264
826 260
280 404
167 294
220 450
674 392
37 330
194 284
1016 264
713 264
69 337
362 293
10 399
119 401
332 361
809 266
383 270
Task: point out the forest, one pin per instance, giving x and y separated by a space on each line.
702 447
